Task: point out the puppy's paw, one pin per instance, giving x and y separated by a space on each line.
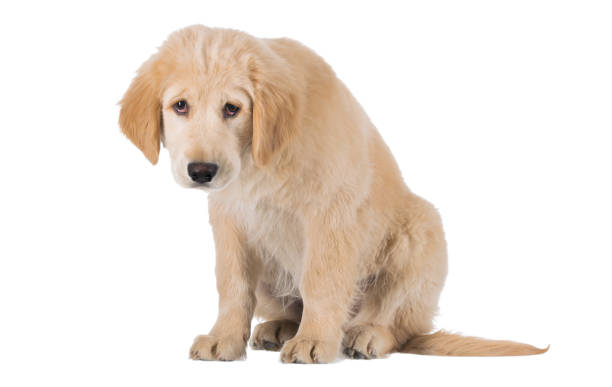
305 350
368 342
271 335
207 347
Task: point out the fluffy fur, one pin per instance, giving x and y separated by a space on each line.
315 231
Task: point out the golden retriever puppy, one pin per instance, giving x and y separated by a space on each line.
315 231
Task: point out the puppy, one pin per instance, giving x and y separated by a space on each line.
314 228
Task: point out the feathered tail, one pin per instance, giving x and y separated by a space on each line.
443 343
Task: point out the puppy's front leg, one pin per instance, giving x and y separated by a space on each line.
236 279
326 287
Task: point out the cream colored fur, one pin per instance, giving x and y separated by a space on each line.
315 231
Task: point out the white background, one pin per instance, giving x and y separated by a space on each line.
497 112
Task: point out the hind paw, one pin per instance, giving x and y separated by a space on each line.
271 335
367 342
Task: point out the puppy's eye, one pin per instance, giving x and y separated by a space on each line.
181 107
230 110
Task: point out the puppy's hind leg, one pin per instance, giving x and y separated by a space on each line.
368 334
282 315
402 300
392 311
271 335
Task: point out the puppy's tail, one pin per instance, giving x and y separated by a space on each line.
443 343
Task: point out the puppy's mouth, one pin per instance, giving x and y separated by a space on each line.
200 185
216 184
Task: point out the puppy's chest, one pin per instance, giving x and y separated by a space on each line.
277 236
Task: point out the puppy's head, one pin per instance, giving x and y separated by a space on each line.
217 100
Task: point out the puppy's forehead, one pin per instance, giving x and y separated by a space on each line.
202 86
207 53
194 78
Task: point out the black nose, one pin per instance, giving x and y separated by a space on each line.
202 172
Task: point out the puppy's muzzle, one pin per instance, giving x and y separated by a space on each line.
202 172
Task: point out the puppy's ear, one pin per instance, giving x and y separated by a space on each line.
140 117
276 109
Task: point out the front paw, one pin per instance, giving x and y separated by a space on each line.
304 350
207 347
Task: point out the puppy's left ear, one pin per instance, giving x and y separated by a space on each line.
140 117
277 106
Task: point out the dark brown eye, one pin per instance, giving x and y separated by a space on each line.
230 110
181 107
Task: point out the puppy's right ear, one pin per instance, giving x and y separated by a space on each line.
140 117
